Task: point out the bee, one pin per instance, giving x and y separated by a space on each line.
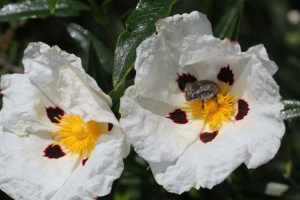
203 89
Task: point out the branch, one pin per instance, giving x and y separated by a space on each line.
11 67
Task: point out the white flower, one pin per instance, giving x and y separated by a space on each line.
59 138
200 107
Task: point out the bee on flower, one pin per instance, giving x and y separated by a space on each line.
200 107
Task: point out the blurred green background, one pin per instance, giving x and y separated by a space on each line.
276 24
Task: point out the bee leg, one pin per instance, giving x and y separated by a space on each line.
216 98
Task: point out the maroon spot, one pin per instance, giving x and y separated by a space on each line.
243 109
54 113
184 79
226 75
0 90
84 160
53 152
208 136
178 116
110 126
96 198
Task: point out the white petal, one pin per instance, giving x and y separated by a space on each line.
205 56
24 105
202 165
42 65
24 171
157 57
196 49
100 170
262 94
155 137
262 55
177 27
77 97
156 72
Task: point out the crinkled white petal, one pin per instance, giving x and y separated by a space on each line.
196 49
77 97
262 55
42 65
25 173
157 72
157 57
202 164
178 48
212 54
262 128
174 28
155 137
100 170
54 78
23 108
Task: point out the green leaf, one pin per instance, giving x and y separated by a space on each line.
233 9
105 4
39 9
83 37
139 26
233 31
51 5
95 69
291 109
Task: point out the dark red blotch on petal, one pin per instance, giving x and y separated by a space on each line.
226 75
54 113
208 136
178 116
184 79
110 126
84 161
243 109
53 152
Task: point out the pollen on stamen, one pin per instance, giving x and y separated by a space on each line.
77 136
214 111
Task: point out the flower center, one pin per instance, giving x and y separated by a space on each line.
77 136
210 105
214 111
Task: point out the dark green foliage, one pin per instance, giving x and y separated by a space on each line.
52 5
291 109
88 30
39 9
229 21
139 26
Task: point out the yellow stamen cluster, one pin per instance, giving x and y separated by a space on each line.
214 111
77 136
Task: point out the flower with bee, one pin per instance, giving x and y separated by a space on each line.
59 138
200 107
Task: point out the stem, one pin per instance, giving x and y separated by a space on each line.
294 183
289 163
10 66
103 19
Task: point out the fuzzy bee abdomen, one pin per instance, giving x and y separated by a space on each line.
204 90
